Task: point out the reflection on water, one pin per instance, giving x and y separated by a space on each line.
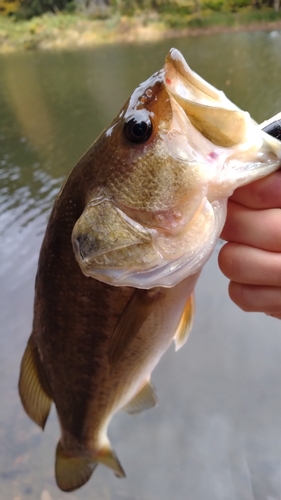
216 433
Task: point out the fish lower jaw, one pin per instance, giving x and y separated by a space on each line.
176 258
104 270
169 274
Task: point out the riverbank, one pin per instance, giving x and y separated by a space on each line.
68 31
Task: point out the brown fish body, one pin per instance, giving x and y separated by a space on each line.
127 238
74 321
77 333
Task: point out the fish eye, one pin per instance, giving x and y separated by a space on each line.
138 131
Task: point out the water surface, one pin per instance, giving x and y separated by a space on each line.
216 433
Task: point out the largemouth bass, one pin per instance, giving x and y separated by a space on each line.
128 235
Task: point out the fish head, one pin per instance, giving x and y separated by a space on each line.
156 200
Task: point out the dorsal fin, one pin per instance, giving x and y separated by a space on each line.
185 324
34 389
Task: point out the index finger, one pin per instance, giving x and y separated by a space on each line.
261 194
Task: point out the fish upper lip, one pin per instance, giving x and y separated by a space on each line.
199 90
209 111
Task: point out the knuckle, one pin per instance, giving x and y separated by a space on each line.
230 261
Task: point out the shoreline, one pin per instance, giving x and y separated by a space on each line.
51 32
213 30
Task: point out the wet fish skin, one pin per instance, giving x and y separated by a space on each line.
127 206
74 318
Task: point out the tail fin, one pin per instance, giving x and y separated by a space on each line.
74 471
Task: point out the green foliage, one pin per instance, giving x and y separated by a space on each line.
9 7
70 7
93 8
258 15
174 13
176 8
31 8
215 5
181 8
235 5
210 19
242 3
177 22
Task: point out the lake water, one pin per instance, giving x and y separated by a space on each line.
216 433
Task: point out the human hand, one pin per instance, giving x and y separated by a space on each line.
251 258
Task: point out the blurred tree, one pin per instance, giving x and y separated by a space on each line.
8 7
31 8
96 8
257 4
197 6
104 8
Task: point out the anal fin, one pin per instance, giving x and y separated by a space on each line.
108 457
34 389
185 324
143 400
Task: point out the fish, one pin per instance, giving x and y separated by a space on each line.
128 235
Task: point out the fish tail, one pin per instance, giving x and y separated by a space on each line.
72 471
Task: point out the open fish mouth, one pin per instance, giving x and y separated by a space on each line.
218 147
208 109
217 133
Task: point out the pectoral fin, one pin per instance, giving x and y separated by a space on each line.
185 323
143 400
137 310
34 389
